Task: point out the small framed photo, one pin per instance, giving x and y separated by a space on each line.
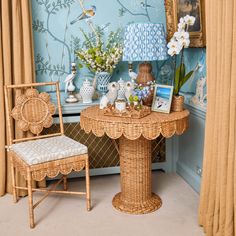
162 98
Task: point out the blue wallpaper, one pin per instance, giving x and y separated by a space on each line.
56 38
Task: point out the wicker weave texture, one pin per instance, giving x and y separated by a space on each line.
103 151
135 152
177 103
135 162
33 111
150 127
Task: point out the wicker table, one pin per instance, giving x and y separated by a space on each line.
135 137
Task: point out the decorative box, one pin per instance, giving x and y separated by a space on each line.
128 112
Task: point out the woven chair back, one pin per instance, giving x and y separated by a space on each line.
33 111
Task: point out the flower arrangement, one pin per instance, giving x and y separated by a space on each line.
99 56
177 44
140 93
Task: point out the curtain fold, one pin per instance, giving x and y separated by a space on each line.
16 67
218 190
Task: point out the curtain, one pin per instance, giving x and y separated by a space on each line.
16 67
217 209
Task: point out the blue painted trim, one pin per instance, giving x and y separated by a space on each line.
189 175
108 171
172 153
196 111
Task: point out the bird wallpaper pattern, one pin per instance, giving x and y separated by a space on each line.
57 28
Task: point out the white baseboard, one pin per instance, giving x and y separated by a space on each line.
189 176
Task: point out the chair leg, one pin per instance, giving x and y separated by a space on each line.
13 176
30 199
87 185
65 186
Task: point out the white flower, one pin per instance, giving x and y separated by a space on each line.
181 26
189 20
184 42
181 35
174 47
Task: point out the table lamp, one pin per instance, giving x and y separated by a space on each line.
144 42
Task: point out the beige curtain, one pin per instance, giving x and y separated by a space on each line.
217 212
16 65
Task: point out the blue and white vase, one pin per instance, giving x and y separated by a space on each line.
87 91
103 79
121 92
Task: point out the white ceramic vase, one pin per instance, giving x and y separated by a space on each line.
87 91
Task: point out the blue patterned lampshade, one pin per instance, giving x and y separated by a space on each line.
145 42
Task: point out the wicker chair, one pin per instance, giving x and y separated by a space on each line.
41 156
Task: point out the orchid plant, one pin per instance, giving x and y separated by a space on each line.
176 46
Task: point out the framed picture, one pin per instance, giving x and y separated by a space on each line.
175 9
162 98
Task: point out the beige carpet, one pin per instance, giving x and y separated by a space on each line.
66 215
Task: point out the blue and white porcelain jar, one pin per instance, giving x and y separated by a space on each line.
87 91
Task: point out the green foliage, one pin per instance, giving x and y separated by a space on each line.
52 7
39 26
44 67
181 78
99 55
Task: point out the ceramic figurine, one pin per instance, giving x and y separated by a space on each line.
121 91
129 87
70 87
132 75
104 102
199 97
112 92
87 91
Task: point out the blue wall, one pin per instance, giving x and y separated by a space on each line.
56 40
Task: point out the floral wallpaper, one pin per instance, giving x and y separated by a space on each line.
57 35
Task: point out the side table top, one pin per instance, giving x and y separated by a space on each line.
93 120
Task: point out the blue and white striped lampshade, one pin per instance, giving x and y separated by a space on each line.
145 42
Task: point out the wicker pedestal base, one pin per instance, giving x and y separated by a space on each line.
135 167
149 206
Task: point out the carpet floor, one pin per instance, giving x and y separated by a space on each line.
66 215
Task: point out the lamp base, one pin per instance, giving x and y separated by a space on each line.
145 73
145 76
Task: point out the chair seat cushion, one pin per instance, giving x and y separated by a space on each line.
48 149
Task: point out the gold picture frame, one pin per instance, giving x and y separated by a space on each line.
179 8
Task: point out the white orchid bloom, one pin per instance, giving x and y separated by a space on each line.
181 26
189 20
182 20
185 42
181 35
174 47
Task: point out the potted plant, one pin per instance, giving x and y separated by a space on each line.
176 46
101 58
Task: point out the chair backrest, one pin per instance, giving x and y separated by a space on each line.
33 111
